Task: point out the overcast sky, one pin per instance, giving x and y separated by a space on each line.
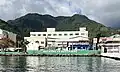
106 12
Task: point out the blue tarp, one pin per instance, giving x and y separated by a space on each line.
81 46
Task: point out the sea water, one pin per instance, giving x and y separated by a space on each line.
58 64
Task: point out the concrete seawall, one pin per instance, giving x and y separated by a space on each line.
57 55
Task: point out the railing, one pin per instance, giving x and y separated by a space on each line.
74 52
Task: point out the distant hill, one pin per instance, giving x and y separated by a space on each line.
37 22
5 26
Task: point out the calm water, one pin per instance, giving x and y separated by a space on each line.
58 64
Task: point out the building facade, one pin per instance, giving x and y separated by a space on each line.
53 38
7 34
110 46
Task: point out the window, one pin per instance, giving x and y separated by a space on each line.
44 34
54 34
60 34
36 41
82 33
49 45
76 33
39 34
71 34
65 34
42 42
33 35
49 34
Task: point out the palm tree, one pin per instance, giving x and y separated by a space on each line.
23 44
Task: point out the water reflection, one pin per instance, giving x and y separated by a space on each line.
12 64
58 64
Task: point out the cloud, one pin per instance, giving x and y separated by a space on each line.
103 11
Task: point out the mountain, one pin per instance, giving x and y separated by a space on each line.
37 22
5 26
33 22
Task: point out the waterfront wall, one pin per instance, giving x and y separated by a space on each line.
56 52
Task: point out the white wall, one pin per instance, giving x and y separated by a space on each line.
4 33
58 36
60 32
33 45
50 29
1 31
12 36
82 28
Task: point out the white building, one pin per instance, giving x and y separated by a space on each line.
7 34
53 38
110 46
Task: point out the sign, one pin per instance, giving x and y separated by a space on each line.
103 39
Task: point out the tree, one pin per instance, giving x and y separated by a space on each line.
6 43
23 44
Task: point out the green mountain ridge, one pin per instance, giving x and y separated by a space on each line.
37 22
5 26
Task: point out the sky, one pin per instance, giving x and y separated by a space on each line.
106 12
